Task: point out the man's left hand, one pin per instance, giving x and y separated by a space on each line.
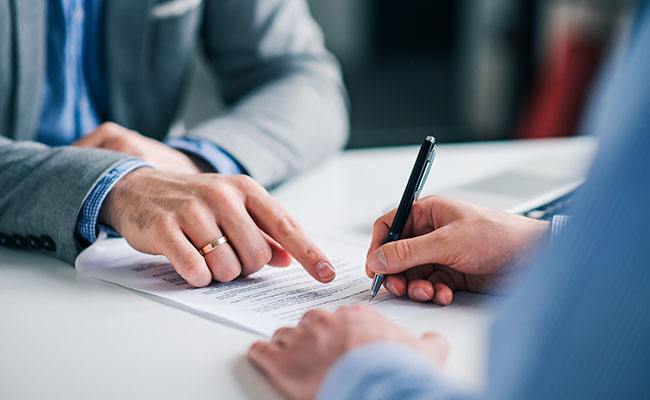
111 136
297 359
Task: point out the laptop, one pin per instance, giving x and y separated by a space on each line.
533 188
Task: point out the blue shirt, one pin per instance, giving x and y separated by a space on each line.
578 325
67 110
75 98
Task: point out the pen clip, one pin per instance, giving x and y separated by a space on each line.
425 174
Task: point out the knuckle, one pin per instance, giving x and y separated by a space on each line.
211 189
220 195
438 199
120 143
317 316
351 311
174 252
254 349
343 310
281 332
312 254
261 255
356 308
381 223
378 223
164 223
322 318
419 210
192 210
246 182
108 126
287 226
402 251
193 272
311 313
226 273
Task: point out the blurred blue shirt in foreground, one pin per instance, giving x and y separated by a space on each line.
578 325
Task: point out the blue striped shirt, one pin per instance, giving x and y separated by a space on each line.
68 111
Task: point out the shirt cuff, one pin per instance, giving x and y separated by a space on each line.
89 214
557 225
382 370
218 159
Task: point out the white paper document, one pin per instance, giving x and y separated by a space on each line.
262 302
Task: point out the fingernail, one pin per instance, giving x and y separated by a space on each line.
325 271
420 294
377 261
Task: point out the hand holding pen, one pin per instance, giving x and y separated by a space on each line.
412 192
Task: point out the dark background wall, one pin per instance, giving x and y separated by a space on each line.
459 69
404 88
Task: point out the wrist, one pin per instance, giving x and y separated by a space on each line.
88 218
207 156
186 163
109 213
524 231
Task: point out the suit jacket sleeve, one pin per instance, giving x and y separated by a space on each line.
42 190
287 103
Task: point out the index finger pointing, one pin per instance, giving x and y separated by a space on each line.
276 221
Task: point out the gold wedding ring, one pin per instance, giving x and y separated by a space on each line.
208 248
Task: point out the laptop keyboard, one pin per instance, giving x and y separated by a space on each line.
556 207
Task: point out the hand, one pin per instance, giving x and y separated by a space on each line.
449 245
111 136
297 359
174 215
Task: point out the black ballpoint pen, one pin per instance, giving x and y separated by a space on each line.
413 189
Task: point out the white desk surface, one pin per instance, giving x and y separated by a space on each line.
65 336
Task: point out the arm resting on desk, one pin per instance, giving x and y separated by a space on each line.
43 190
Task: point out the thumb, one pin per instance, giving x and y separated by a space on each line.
436 347
398 256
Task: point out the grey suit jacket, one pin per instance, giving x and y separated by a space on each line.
287 106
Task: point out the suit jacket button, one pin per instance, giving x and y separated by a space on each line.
18 241
47 243
5 240
33 242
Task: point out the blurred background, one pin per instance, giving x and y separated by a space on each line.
461 69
